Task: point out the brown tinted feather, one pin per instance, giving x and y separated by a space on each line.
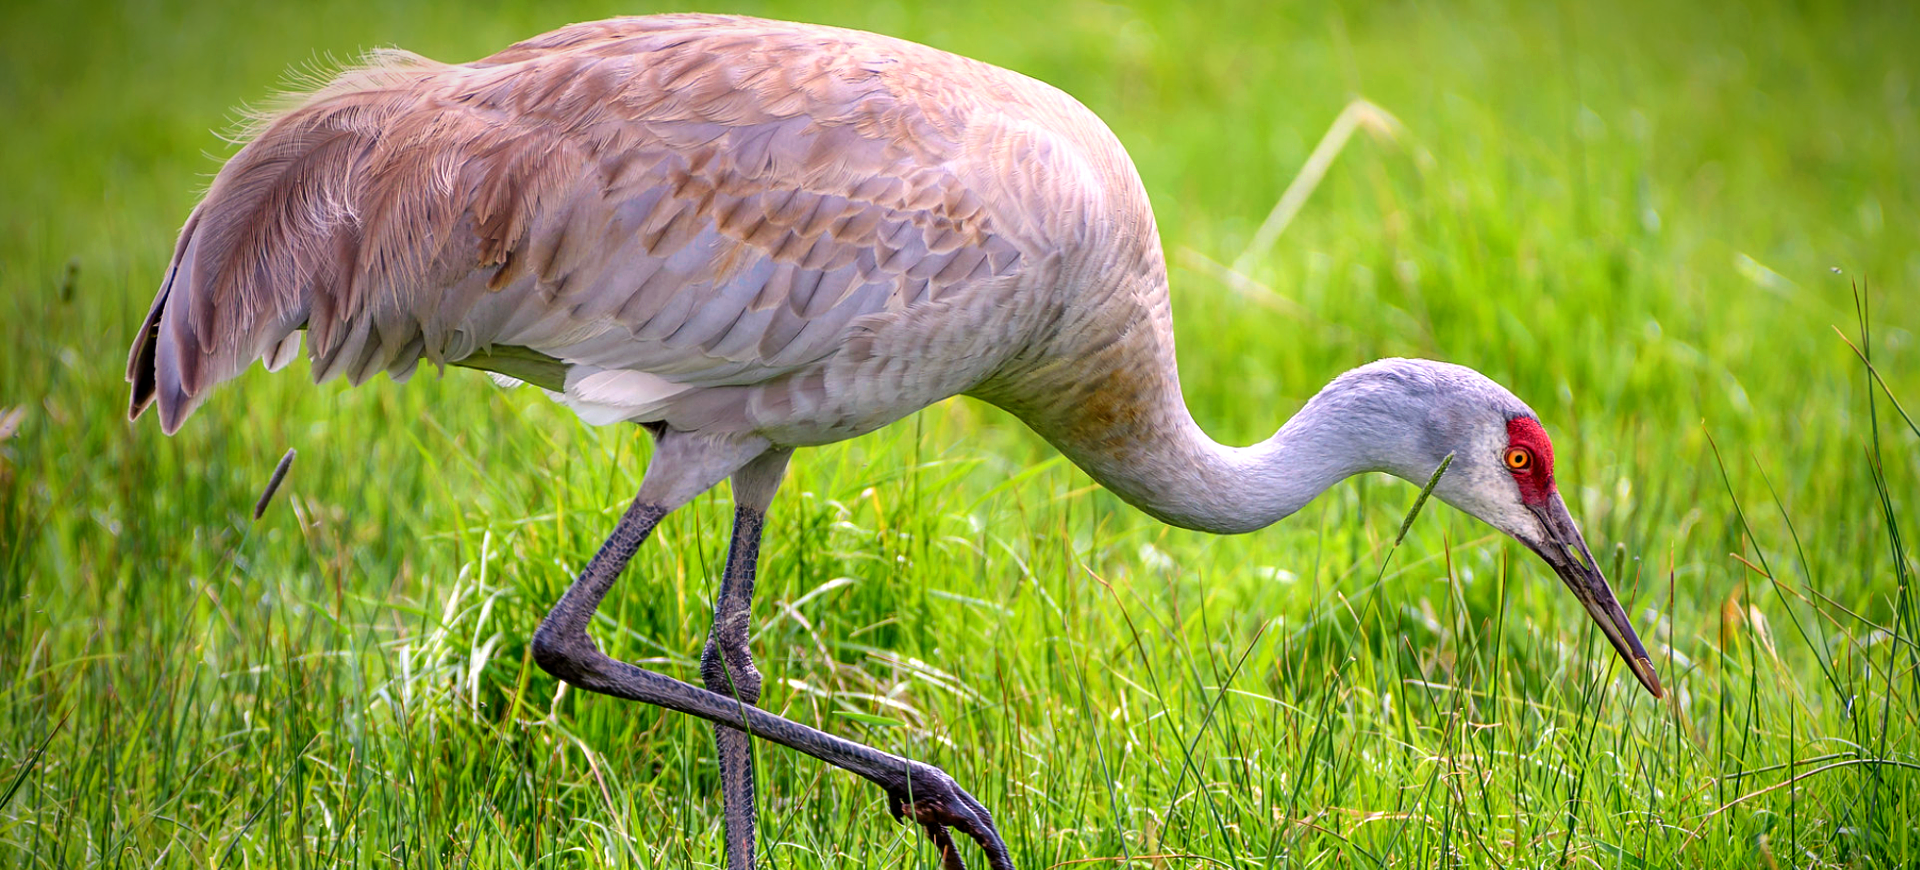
608 175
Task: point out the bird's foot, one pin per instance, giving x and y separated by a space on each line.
932 800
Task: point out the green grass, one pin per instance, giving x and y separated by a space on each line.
1628 216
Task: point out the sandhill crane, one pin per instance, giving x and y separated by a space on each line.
752 236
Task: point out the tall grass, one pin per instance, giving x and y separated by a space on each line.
1630 217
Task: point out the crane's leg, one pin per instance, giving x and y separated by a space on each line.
684 466
726 665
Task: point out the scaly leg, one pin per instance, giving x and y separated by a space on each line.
684 466
727 663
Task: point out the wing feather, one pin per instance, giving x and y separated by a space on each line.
715 201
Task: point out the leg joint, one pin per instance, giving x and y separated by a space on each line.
730 675
562 655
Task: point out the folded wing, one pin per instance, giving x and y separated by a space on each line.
706 201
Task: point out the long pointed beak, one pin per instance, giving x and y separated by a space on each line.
1566 551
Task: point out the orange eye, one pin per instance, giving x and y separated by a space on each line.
1518 459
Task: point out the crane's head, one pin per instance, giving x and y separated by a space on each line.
1416 412
1506 479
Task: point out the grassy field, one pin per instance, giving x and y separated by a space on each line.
1631 217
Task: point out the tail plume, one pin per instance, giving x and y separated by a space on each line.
276 244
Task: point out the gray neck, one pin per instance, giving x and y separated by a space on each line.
1230 490
1162 463
1104 388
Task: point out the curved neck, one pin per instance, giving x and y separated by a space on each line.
1128 427
1176 473
1104 389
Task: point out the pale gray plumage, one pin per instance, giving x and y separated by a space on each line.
751 236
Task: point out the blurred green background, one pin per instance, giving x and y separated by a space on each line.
1630 214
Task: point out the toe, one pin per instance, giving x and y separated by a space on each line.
934 801
943 841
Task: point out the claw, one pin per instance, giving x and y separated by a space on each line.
943 841
935 802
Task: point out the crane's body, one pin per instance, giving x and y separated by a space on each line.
751 236
717 224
